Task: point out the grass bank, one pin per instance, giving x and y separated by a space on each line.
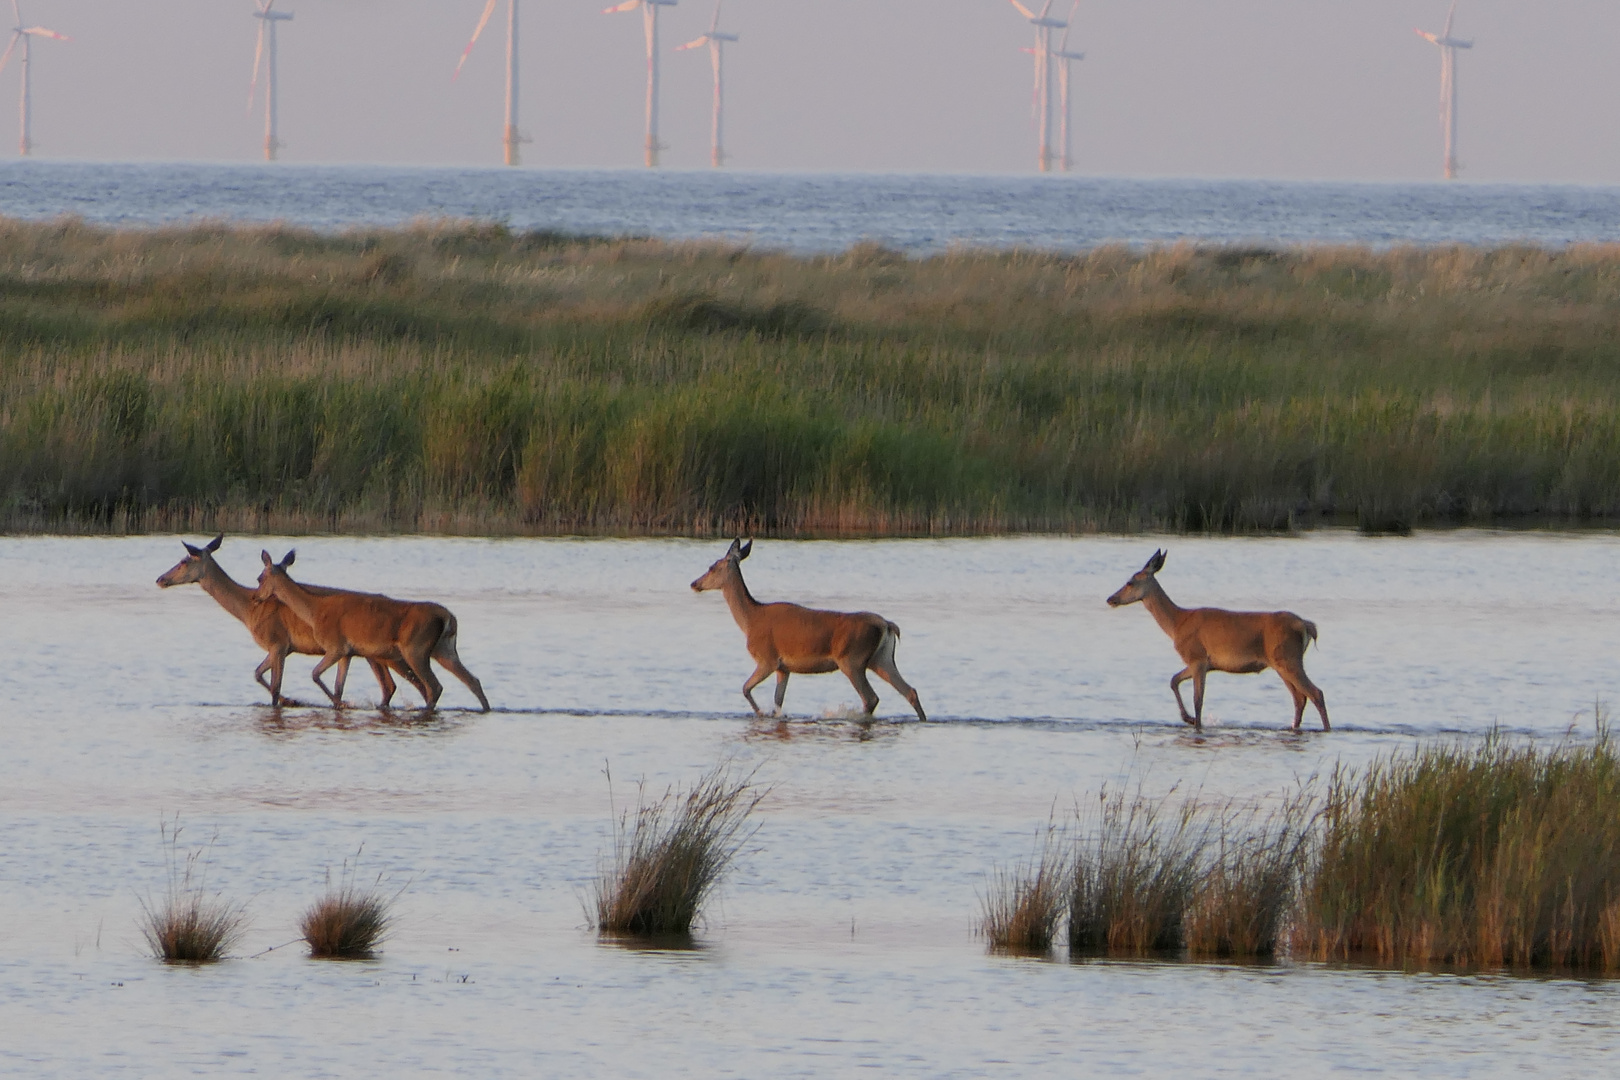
455 378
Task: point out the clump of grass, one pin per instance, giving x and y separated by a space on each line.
349 922
189 925
1244 896
671 854
1025 904
1135 874
1485 854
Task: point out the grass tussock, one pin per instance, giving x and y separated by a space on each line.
451 377
189 924
671 854
1485 854
349 922
1135 874
1243 901
1025 904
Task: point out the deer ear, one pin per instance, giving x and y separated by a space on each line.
742 552
193 552
213 545
292 553
1157 562
265 555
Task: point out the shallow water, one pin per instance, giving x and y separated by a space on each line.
823 212
844 938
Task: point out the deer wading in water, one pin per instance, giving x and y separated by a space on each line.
788 639
1242 642
349 624
276 630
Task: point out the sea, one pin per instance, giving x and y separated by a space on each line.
818 213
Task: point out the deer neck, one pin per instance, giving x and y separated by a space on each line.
1163 609
741 602
231 596
298 600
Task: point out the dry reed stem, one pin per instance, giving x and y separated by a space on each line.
671 855
1025 904
189 925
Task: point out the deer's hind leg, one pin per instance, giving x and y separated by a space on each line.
1300 685
863 686
882 665
781 688
445 653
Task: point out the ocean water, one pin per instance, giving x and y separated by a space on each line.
843 941
812 212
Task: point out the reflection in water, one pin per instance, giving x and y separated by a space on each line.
861 729
286 722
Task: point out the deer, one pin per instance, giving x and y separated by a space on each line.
788 639
275 629
1240 642
405 633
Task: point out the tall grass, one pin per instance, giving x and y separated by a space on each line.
460 378
1484 854
672 853
1024 906
189 924
348 922
1135 874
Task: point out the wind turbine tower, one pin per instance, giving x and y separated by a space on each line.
1044 25
1064 57
649 19
25 106
511 138
264 52
716 41
1448 86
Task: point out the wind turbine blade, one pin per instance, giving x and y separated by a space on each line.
715 25
40 31
483 20
628 5
1450 15
1022 10
1046 9
258 59
16 35
17 11
1063 45
694 43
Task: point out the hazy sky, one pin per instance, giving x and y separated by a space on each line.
1274 88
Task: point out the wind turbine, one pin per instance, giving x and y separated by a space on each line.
25 107
511 139
1044 25
1064 57
649 18
1448 85
716 41
264 52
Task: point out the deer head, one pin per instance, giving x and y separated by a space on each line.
724 568
194 567
1137 587
272 570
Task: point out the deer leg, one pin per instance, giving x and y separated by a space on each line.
1299 699
326 661
1199 674
1302 688
857 677
1175 687
342 677
445 653
274 661
883 667
430 685
781 688
761 673
385 682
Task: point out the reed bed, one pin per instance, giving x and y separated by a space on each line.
671 855
461 378
1486 854
189 924
1024 905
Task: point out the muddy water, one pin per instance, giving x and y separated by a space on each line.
844 939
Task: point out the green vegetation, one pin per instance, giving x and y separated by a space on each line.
460 378
1025 904
672 855
1483 854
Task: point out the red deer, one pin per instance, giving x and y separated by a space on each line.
276 630
1241 642
348 624
788 639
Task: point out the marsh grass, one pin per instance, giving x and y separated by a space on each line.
348 922
1136 869
189 924
1243 900
1484 854
670 855
1024 905
458 378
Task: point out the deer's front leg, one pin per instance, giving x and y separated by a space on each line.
326 662
761 673
1175 687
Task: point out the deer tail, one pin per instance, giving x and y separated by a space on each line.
447 633
1307 633
891 628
